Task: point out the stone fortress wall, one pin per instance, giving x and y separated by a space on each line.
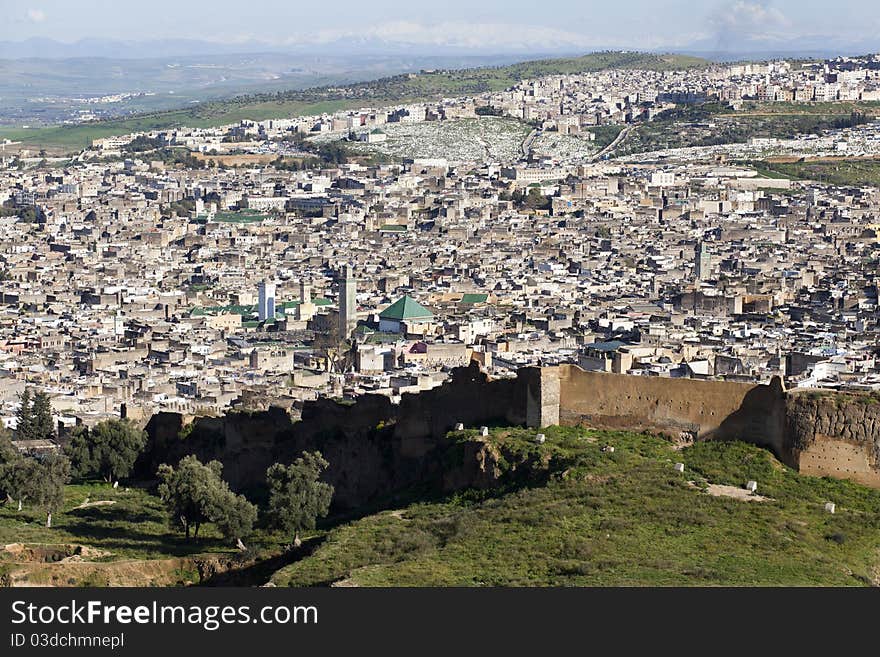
816 432
376 448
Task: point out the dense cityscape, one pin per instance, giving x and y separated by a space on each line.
447 305
234 279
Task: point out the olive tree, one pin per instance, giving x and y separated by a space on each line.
107 450
297 497
194 494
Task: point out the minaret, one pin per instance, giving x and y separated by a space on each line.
702 262
347 302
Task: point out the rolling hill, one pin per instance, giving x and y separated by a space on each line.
398 88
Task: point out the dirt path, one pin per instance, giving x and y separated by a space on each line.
737 493
87 505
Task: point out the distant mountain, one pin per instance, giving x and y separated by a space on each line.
721 47
119 49
164 48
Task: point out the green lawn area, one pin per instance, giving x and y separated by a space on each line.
621 518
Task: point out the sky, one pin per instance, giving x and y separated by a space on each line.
476 24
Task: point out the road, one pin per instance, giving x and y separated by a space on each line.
614 144
527 143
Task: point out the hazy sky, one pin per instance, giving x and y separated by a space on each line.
469 23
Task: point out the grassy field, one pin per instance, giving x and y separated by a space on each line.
76 137
564 513
621 518
126 543
846 172
399 88
714 123
135 526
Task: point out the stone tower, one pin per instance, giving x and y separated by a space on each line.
347 302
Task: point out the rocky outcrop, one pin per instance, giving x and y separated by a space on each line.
471 464
852 418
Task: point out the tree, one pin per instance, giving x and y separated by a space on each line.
52 475
8 457
108 450
41 417
296 496
535 200
194 494
24 426
235 517
20 479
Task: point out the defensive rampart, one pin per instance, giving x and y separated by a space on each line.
377 448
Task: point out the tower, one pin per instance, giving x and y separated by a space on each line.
306 309
347 302
266 305
702 262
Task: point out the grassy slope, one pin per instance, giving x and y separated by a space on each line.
135 527
625 518
399 88
837 172
717 124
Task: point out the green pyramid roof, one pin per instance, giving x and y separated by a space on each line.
405 308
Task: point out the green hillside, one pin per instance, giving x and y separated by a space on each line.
568 512
621 518
399 88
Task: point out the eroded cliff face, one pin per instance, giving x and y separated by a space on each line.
374 448
836 435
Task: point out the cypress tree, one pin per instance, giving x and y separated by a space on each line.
24 429
41 417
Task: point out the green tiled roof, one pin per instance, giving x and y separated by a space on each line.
198 311
405 308
474 298
240 217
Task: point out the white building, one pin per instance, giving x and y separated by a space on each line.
266 303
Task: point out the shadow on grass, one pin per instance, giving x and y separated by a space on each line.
123 538
261 571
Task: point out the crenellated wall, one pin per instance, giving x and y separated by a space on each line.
376 448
